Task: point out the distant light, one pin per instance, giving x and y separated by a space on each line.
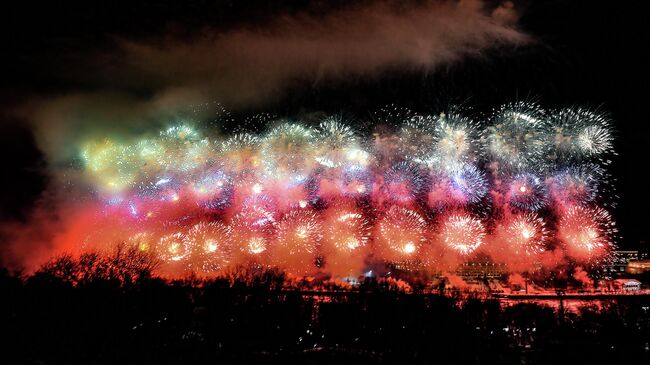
352 243
256 245
257 188
162 181
210 246
409 248
301 232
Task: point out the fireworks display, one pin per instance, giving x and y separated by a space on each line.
400 236
586 232
523 234
519 183
462 233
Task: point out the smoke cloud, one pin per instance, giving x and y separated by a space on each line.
255 65
252 65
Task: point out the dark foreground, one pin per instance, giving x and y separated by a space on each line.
63 316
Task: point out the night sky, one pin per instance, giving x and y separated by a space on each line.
582 52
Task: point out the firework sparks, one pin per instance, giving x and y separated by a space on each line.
307 199
404 183
524 233
346 239
587 232
516 139
298 236
578 133
211 243
173 247
527 192
401 234
462 232
575 185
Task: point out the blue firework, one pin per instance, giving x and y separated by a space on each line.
405 182
470 182
528 192
356 181
576 184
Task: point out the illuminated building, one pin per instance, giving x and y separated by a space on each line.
620 260
481 269
627 284
638 267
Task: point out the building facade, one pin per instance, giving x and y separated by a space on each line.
620 261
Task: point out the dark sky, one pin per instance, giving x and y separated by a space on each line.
584 52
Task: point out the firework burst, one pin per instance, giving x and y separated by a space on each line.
211 242
252 231
578 133
417 138
297 241
356 182
524 233
335 141
527 192
456 142
241 152
214 190
401 235
142 241
515 140
461 232
587 232
286 150
468 184
173 247
404 183
576 185
347 230
346 240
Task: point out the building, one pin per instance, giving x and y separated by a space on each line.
627 284
620 260
638 267
480 269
